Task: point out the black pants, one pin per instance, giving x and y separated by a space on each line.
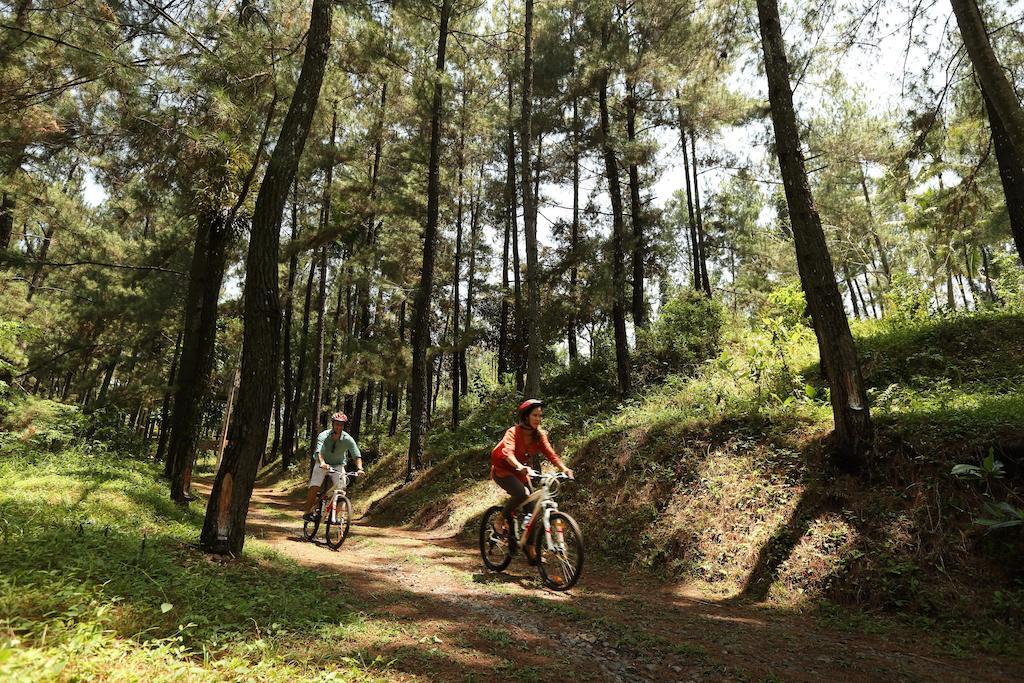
516 489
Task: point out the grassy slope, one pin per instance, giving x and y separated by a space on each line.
722 481
99 580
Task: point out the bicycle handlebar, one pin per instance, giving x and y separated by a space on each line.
356 473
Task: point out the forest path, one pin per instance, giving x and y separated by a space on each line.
436 614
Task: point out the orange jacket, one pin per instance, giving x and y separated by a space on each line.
520 441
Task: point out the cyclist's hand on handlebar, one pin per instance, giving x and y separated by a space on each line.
530 472
569 473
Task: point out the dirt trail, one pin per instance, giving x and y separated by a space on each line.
447 619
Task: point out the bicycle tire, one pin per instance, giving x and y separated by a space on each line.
487 541
341 526
560 573
309 528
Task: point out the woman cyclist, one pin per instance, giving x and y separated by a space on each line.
520 445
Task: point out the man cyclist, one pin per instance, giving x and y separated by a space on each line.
520 445
333 447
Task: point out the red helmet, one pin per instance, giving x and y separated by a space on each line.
528 405
339 417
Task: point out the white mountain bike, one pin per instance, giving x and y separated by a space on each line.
556 539
333 509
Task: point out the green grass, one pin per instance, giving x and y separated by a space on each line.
100 580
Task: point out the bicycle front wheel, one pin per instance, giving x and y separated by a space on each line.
560 565
336 529
309 528
497 542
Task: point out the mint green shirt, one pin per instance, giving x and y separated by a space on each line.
336 453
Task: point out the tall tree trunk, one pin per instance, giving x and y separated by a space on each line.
988 278
397 388
871 296
871 218
853 427
289 437
317 395
849 288
209 260
355 420
504 353
316 392
421 308
636 208
268 455
474 238
574 234
1011 173
7 205
694 253
618 242
36 280
969 265
108 376
166 405
529 214
963 291
702 259
300 371
950 297
456 271
332 390
996 86
224 525
370 386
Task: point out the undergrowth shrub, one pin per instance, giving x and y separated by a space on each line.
687 332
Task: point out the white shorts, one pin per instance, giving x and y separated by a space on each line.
319 474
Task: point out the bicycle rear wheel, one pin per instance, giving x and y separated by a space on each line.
496 546
336 530
561 566
309 528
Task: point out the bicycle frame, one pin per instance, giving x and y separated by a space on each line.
339 488
543 505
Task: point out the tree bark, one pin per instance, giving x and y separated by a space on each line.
474 238
694 255
510 219
702 259
224 525
1011 173
300 371
618 243
532 328
456 270
165 407
849 288
289 436
639 247
209 260
871 218
317 395
574 235
853 429
996 86
7 205
421 309
36 280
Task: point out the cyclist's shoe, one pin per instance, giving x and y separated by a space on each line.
310 517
